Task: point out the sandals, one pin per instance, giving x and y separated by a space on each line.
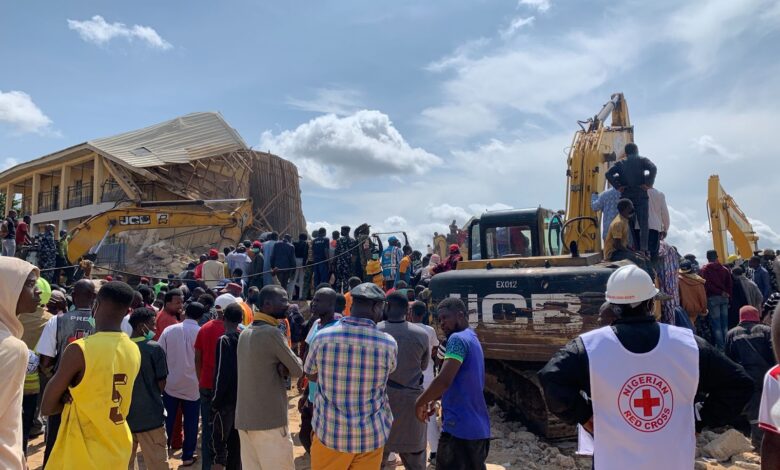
188 463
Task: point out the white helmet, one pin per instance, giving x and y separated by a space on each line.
630 285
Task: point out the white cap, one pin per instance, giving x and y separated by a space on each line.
630 285
224 300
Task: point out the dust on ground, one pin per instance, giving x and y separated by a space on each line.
512 447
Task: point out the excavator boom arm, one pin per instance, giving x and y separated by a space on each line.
593 149
726 216
93 231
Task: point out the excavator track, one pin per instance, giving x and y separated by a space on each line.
516 389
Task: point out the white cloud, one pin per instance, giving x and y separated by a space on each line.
18 110
523 76
706 145
333 151
7 163
516 25
706 26
541 5
446 212
97 31
338 101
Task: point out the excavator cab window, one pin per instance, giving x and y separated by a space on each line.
475 248
553 227
509 242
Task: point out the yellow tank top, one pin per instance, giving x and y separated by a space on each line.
93 433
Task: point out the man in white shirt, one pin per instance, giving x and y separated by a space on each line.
181 387
657 221
213 270
416 314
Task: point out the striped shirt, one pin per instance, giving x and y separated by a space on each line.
352 360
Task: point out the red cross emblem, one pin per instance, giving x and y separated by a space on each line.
646 402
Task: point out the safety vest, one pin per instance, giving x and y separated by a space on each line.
643 408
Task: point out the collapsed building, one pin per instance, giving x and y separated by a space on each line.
193 157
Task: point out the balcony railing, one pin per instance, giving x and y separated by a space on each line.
80 195
112 192
49 201
26 207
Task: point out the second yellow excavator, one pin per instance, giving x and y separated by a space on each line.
726 216
86 239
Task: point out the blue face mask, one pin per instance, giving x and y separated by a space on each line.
149 335
91 321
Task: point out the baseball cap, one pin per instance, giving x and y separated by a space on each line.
369 291
224 300
213 252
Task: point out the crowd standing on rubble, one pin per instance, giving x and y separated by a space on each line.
116 370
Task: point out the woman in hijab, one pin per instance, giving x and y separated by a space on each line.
427 271
19 294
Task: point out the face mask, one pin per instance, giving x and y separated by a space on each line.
91 321
149 335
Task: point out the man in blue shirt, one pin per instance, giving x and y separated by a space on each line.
606 203
761 277
320 248
465 437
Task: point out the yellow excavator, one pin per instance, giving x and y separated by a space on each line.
86 239
533 279
726 216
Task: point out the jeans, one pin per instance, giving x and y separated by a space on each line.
321 272
9 247
207 457
190 411
718 305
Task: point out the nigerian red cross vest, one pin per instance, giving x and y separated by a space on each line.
643 408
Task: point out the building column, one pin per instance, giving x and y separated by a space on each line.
36 187
98 178
64 182
9 200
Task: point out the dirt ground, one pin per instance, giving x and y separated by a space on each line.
504 454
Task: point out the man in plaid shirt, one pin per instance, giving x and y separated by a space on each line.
351 362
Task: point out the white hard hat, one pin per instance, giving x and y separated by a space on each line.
630 285
224 300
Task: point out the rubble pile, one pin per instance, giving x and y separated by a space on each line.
148 255
514 447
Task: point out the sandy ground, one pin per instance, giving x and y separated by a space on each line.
503 456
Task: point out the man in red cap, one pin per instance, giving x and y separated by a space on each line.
750 345
451 262
213 269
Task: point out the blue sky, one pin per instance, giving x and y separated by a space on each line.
408 114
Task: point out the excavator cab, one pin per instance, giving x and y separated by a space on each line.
516 233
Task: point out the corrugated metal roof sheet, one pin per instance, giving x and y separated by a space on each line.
180 140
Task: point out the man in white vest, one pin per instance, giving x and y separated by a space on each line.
642 379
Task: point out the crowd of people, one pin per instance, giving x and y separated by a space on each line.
729 303
216 349
213 350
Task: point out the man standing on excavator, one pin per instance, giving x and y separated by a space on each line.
629 177
642 378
